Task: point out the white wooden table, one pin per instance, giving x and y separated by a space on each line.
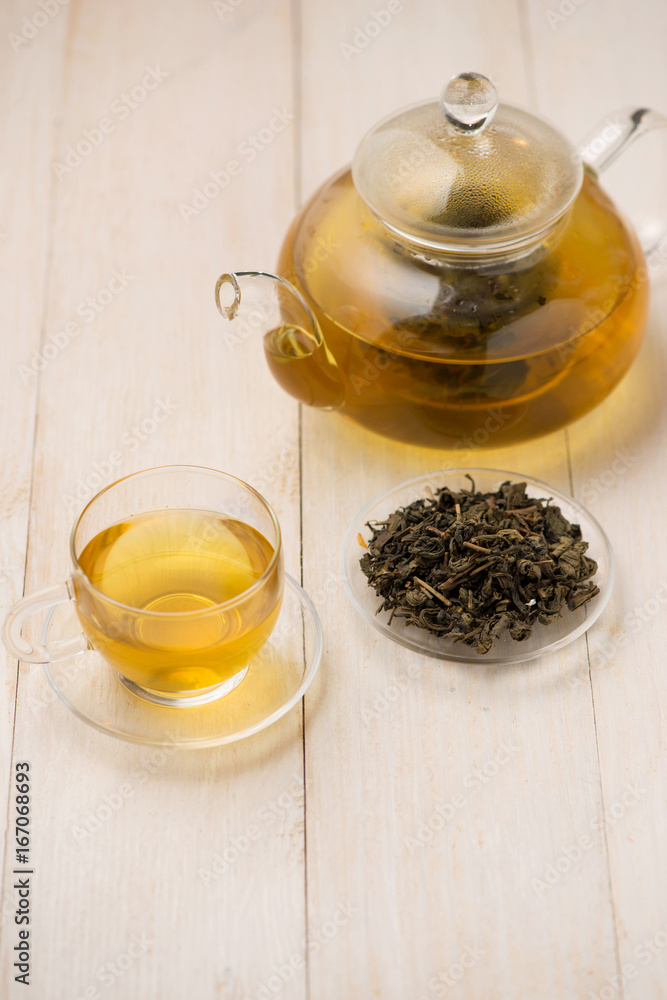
540 791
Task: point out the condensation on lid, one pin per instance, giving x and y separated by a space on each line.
467 173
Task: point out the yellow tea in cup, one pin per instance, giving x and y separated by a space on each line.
182 573
177 582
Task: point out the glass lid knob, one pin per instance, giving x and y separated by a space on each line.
469 101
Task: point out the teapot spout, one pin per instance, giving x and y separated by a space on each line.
294 347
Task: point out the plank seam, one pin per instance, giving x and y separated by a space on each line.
297 150
617 954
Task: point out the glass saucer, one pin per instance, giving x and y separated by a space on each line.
544 638
276 680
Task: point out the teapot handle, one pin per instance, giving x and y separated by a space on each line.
608 141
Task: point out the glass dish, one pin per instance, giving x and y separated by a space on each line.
544 638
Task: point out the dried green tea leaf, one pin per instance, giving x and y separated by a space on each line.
471 566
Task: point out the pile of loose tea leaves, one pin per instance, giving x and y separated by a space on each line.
471 566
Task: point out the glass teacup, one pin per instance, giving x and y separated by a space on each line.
177 583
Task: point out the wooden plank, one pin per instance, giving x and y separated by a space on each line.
618 468
28 104
397 744
101 896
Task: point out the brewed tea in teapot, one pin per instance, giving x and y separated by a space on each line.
466 281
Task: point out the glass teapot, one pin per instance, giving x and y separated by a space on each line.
466 280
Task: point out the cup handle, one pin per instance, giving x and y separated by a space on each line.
609 140
47 597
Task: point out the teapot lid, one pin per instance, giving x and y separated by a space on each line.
467 174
